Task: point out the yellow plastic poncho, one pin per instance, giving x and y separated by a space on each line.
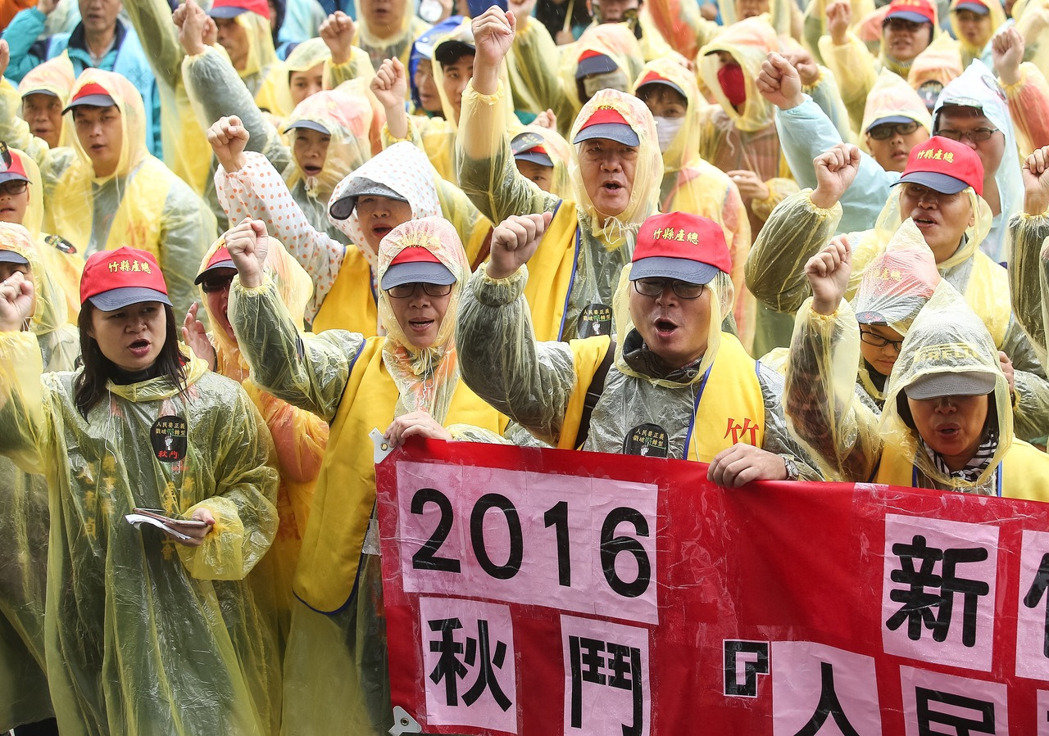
299 437
55 76
692 185
815 22
940 62
142 204
264 75
598 41
892 96
24 515
335 664
968 50
582 252
855 444
399 45
560 152
142 635
682 26
314 51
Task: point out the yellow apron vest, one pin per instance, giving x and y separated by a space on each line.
350 304
587 355
988 294
550 273
345 492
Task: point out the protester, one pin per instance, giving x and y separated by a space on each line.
386 29
934 68
45 91
973 22
123 603
407 381
542 156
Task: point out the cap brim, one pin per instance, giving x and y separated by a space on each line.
665 267
871 318
535 157
665 83
9 256
226 11
890 119
308 125
935 385
91 101
109 301
595 65
617 132
419 272
12 176
943 183
214 267
974 7
48 92
909 15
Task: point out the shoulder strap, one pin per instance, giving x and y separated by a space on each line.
593 393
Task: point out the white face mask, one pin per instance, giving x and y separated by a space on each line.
666 130
594 83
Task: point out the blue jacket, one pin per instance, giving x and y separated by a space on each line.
126 57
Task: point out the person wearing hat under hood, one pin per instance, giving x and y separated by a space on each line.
940 191
908 28
23 504
934 68
616 173
947 423
102 40
542 156
671 371
424 94
111 192
386 29
406 381
973 23
140 425
690 184
44 92
634 16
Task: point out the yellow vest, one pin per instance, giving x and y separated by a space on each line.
988 294
138 220
345 492
350 304
1023 473
551 272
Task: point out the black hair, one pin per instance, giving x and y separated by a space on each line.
89 386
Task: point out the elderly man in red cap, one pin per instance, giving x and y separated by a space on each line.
674 384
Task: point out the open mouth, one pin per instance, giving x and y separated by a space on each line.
948 432
923 222
312 170
380 231
612 187
420 325
139 347
665 328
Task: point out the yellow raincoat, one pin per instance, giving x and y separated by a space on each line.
968 50
142 204
335 665
142 635
621 48
892 96
55 76
314 51
855 444
576 269
940 62
560 152
397 46
24 515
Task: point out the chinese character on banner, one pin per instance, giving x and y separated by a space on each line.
744 661
935 703
818 689
1032 615
938 590
468 657
607 689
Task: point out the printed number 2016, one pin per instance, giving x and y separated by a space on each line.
426 558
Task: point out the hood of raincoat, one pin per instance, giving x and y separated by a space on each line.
462 32
620 40
294 287
940 62
307 55
997 13
34 214
749 43
945 337
49 312
425 377
874 25
599 43
56 76
423 49
261 53
891 95
403 168
648 173
685 145
560 152
977 87
366 37
779 15
132 118
348 119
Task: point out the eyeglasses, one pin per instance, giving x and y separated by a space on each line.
900 24
655 287
404 291
885 131
877 341
210 286
976 136
14 187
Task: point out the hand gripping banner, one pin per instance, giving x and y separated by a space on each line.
545 592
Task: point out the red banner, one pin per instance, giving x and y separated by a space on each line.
550 592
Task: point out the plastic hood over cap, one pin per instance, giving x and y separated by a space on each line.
49 312
940 62
57 77
261 53
426 378
749 43
403 168
892 96
997 13
685 145
133 119
648 172
560 152
946 337
307 55
423 49
348 119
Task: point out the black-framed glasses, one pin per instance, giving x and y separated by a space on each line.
13 187
976 136
405 291
877 341
885 131
656 287
219 283
902 24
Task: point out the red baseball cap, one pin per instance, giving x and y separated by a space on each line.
219 259
92 94
233 8
944 165
416 264
680 246
528 146
654 77
11 166
916 11
114 279
607 122
592 61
